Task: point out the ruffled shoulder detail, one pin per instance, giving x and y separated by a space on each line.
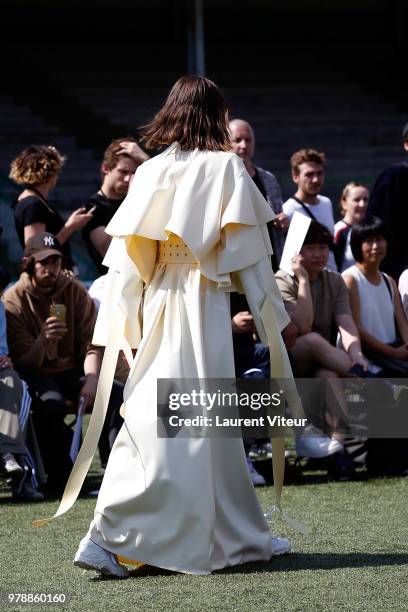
206 198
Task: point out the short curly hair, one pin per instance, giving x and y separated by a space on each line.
36 165
304 156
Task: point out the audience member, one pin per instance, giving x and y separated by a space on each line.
120 161
383 327
37 169
317 303
375 301
353 205
50 320
307 166
388 201
243 144
16 463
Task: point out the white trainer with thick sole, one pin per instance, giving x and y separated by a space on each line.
90 556
280 546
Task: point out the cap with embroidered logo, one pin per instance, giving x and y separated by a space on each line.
42 245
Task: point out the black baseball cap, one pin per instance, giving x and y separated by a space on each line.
42 245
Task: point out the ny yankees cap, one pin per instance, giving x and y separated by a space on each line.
42 245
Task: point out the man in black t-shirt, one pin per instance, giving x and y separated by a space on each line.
119 164
389 202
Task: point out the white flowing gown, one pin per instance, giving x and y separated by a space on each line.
179 503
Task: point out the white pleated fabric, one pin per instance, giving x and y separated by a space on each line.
184 504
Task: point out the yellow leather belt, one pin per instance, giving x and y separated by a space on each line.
174 251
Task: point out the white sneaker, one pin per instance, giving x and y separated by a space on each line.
280 546
257 479
316 447
90 556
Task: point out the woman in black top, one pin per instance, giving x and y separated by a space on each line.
37 169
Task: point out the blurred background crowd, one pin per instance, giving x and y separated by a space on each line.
318 115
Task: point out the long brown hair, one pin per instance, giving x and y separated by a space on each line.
194 115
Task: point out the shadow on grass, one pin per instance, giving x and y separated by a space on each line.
319 561
290 563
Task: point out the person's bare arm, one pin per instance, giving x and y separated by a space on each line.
76 221
100 240
133 150
302 313
92 365
351 339
32 230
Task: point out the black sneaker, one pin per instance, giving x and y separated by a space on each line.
22 488
341 467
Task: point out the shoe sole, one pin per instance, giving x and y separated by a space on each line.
283 552
103 570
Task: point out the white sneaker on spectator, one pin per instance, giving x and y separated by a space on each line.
316 446
90 556
257 479
280 546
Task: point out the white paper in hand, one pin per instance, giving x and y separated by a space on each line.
294 240
76 440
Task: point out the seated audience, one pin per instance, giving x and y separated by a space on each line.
353 205
50 320
120 161
37 170
317 302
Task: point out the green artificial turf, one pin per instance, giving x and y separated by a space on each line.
356 558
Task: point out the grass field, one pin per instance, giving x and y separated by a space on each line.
356 558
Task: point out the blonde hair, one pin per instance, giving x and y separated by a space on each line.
36 165
346 192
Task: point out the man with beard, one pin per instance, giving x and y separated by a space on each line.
50 321
307 166
120 161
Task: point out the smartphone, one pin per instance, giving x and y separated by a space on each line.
59 311
358 371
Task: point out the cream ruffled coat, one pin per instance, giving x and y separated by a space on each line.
179 503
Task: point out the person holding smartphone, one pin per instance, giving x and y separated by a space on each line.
50 320
37 170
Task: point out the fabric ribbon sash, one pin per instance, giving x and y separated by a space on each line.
280 368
